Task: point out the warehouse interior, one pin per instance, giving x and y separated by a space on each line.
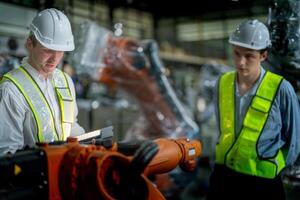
185 49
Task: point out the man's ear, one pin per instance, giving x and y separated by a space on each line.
29 44
263 56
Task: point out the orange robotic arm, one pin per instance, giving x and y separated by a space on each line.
76 171
172 153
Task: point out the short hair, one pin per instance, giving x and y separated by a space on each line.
263 50
33 39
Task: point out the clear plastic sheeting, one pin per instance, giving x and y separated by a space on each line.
90 46
135 67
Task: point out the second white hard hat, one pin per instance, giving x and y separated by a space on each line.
251 34
53 30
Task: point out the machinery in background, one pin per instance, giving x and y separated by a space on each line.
284 25
284 59
135 67
7 63
70 170
11 53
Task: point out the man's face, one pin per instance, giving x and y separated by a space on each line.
247 61
42 59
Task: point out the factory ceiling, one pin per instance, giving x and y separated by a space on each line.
203 9
195 8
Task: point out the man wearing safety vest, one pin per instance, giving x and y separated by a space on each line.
258 118
37 100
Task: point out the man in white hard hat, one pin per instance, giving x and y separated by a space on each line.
258 117
37 100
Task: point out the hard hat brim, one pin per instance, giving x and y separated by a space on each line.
247 45
55 47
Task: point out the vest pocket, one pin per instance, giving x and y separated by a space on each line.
255 119
261 104
64 94
66 104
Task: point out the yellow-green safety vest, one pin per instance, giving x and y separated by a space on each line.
240 153
42 113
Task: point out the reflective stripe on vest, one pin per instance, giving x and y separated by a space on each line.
240 153
44 118
66 102
226 113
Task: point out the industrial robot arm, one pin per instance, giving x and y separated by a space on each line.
135 67
76 171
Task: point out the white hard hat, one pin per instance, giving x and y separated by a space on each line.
53 30
251 34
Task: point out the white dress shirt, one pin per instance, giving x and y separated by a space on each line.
17 124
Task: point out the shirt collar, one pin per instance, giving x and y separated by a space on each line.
252 91
33 72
